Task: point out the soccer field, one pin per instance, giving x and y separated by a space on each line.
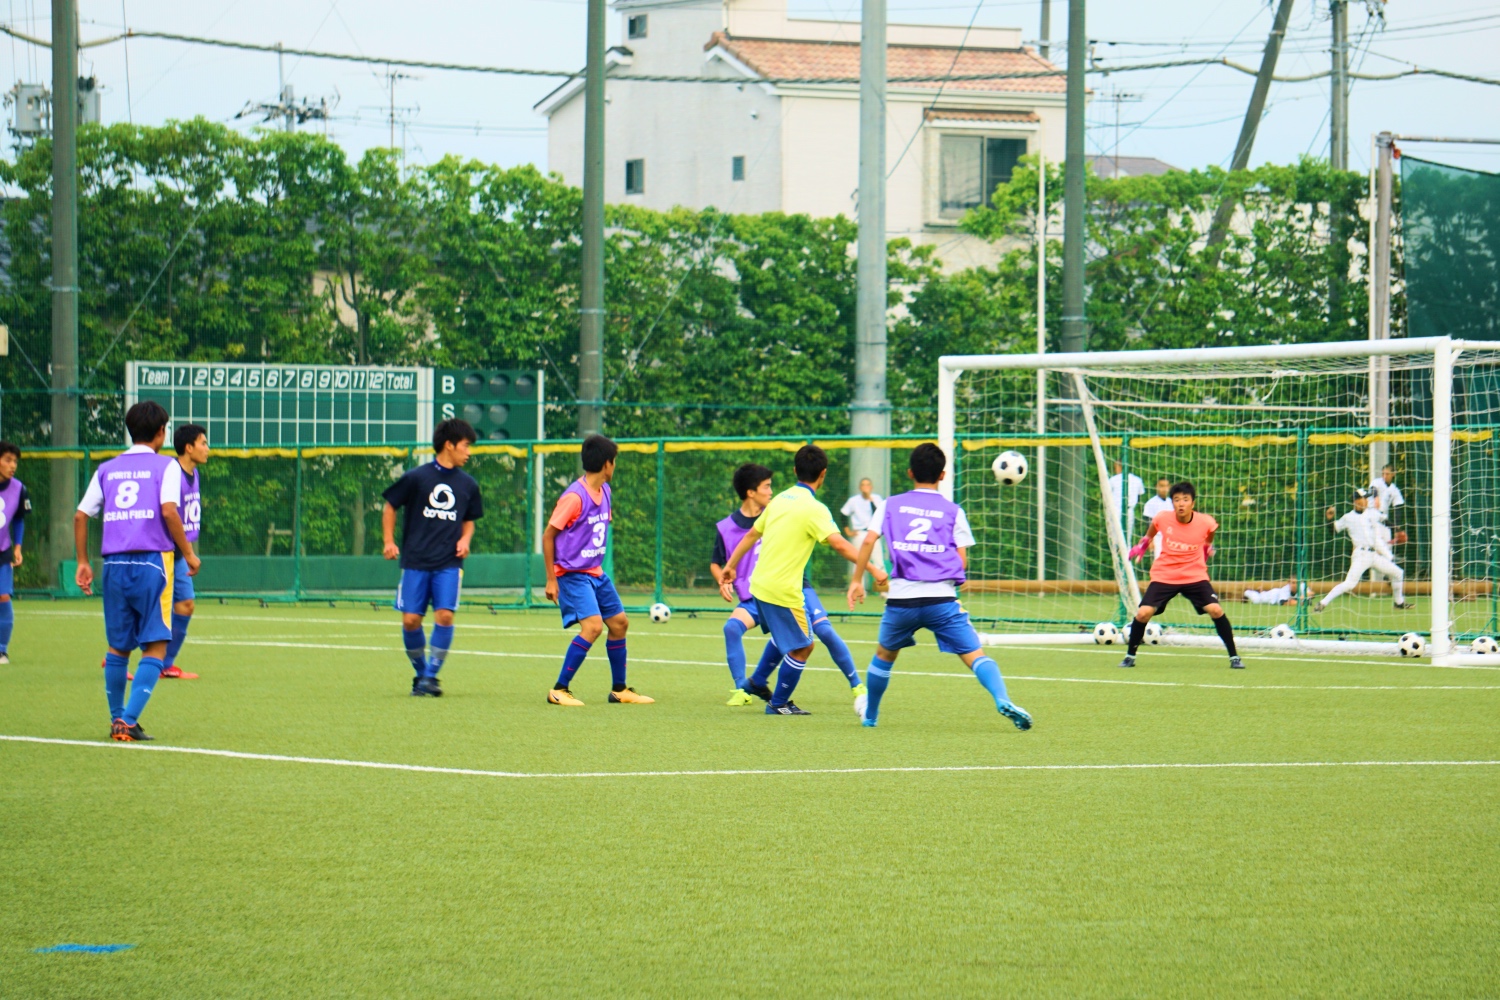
1309 826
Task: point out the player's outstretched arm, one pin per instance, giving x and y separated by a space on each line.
549 558
84 574
173 521
464 540
388 531
717 572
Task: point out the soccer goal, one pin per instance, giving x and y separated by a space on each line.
1276 440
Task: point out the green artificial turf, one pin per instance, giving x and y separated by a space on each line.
264 878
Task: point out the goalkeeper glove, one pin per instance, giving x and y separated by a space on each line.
1139 550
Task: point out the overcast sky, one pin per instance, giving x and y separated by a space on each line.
1188 117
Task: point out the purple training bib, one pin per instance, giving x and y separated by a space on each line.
580 546
10 506
191 508
918 530
732 533
132 503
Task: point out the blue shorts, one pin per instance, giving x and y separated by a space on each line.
816 613
789 627
581 596
420 589
137 592
7 579
182 585
948 621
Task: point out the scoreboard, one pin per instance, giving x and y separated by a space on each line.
253 405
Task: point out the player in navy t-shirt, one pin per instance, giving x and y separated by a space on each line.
442 503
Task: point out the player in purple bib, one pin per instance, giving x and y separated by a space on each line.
752 484
138 495
191 443
15 503
573 547
927 538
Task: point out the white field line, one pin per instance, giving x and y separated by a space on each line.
1333 659
475 772
905 673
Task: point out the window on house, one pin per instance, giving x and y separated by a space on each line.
635 176
635 27
971 167
737 168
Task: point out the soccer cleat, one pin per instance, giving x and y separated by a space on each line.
1129 661
759 690
416 687
1403 606
177 673
859 691
790 708
1235 663
740 697
629 697
867 723
428 686
4 660
1015 713
861 701
1319 608
562 696
119 730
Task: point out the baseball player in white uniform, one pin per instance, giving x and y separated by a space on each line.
1362 525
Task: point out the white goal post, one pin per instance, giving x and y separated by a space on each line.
1278 438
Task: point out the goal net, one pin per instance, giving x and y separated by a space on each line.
1276 440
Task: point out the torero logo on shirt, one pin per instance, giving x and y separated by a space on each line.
441 502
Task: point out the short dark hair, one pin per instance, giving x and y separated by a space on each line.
748 477
598 450
1183 487
10 448
810 463
145 420
187 435
452 432
927 462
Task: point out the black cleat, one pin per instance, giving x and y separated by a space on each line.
416 687
759 690
428 686
1129 661
119 730
790 708
1235 663
1404 606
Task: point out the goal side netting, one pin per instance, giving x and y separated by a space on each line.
1276 440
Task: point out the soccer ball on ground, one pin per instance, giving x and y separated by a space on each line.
1009 468
1153 634
1484 646
1412 644
1283 631
660 613
1105 634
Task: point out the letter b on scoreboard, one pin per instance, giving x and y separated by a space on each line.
501 404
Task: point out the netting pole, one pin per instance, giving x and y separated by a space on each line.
948 427
1041 459
661 503
297 530
1489 546
1301 531
531 505
1126 529
1119 551
1442 492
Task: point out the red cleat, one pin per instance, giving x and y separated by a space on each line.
176 672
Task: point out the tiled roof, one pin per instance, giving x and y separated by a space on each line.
788 59
965 115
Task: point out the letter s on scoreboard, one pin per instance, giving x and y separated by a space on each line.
448 413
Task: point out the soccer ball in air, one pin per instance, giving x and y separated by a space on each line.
1009 468
660 613
1153 634
1484 646
1283 631
1105 634
1412 644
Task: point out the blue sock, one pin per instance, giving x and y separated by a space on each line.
615 650
838 650
179 636
416 648
7 623
988 672
442 641
146 673
572 660
769 657
116 668
877 676
787 678
734 650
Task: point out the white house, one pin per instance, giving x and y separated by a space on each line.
749 144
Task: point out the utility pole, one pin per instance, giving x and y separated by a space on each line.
1338 86
870 416
591 326
1253 114
1072 485
64 473
1380 296
1046 34
284 94
1118 98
